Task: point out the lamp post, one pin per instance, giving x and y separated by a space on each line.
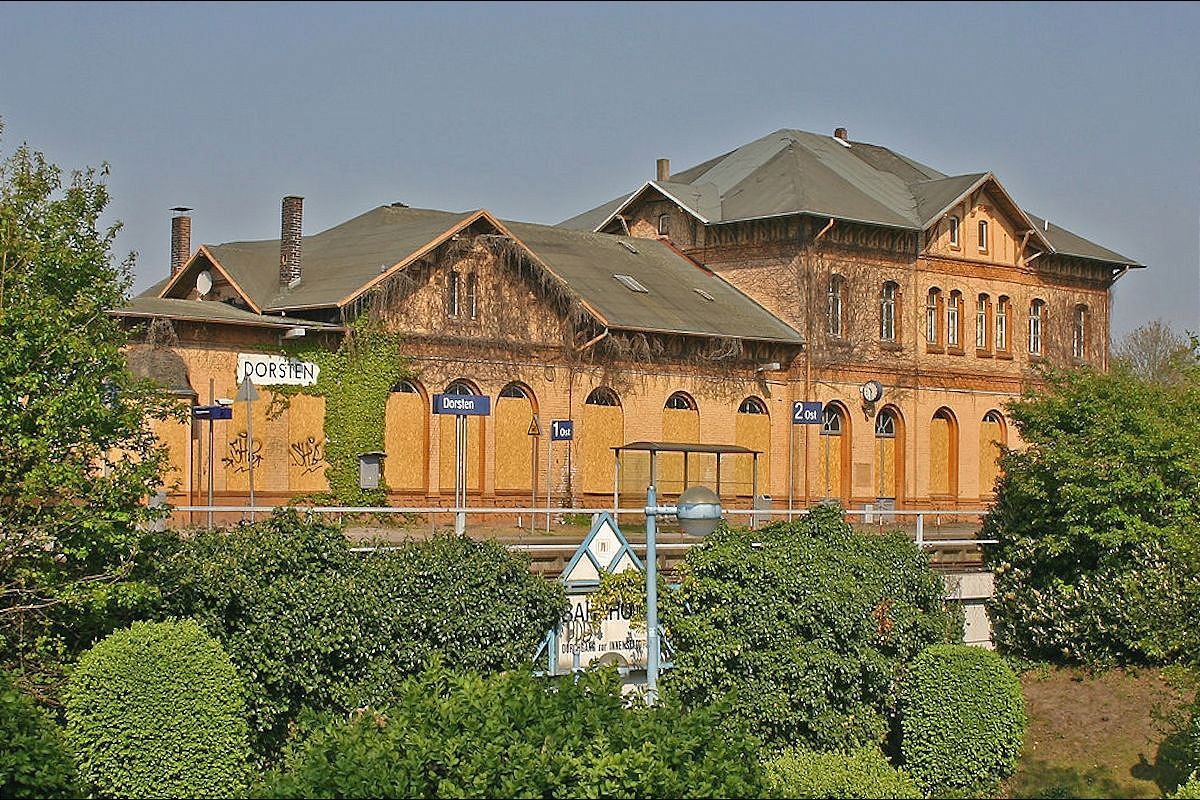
698 509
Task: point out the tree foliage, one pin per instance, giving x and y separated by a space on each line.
311 624
516 735
807 625
76 459
1155 352
1097 522
156 710
34 761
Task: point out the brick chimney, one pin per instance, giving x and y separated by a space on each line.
181 239
289 240
664 169
842 134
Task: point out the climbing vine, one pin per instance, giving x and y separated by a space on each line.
355 380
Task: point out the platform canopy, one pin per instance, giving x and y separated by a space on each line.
654 448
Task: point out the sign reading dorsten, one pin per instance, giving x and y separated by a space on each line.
267 370
473 405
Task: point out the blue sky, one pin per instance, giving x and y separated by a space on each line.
1088 113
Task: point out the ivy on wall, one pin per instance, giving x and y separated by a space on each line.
355 380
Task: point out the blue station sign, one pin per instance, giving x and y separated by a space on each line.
806 412
562 430
212 412
469 405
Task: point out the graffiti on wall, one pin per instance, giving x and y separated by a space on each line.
241 453
307 454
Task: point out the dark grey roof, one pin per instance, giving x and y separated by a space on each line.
146 307
587 262
340 262
1070 244
796 172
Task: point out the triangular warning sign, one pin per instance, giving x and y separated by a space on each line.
246 392
535 429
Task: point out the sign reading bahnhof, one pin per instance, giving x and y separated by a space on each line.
265 370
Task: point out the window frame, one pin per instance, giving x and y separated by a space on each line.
954 315
452 299
983 324
955 231
1037 333
983 236
1079 332
933 319
835 297
889 299
1003 341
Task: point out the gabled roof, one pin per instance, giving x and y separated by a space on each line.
341 263
795 172
145 306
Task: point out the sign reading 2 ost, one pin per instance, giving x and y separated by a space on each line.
265 370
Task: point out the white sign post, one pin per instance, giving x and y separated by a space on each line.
248 394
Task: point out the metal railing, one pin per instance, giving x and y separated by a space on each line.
756 515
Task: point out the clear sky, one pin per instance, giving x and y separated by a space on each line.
1088 113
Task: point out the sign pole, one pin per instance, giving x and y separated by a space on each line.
460 488
211 400
250 449
549 479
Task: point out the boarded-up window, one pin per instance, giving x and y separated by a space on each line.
473 446
306 445
886 453
833 452
406 438
601 429
514 446
752 430
943 454
991 440
681 423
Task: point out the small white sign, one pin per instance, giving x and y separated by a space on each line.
267 370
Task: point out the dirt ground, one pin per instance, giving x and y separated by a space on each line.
1100 735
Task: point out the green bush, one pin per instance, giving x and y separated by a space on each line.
807 625
516 735
861 773
1098 523
156 710
312 624
962 718
1189 790
33 759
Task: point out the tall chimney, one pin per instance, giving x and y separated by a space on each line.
181 239
289 240
664 169
842 134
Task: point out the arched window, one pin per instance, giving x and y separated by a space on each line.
983 236
406 438
664 224
473 446
752 430
600 430
1037 314
889 455
953 231
681 424
933 317
514 447
1002 324
603 396
834 452
888 298
1079 331
992 440
983 310
943 454
681 401
835 298
752 405
954 320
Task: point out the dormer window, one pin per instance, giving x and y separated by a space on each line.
983 236
953 231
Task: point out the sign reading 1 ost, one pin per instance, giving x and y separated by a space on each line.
267 370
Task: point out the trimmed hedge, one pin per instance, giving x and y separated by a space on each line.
962 718
33 759
517 735
156 710
861 773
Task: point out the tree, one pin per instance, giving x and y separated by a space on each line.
76 458
1097 520
1155 352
